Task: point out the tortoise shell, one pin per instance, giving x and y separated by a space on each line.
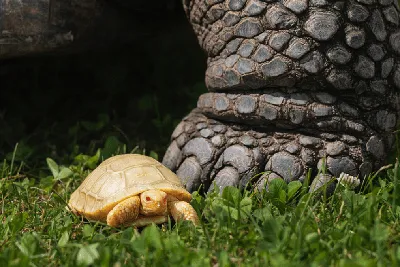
119 178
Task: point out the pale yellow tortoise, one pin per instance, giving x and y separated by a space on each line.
132 189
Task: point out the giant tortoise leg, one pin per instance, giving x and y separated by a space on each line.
205 151
125 212
291 83
181 210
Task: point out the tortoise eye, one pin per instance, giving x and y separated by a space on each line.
148 198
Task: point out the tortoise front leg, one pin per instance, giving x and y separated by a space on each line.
124 212
182 210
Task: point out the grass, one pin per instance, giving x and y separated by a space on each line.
285 226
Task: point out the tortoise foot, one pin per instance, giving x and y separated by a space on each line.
124 212
206 151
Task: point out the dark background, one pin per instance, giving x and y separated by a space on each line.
136 89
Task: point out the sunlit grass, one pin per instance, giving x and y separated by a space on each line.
286 226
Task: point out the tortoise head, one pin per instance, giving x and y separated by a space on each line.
153 202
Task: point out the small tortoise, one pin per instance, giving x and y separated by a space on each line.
132 189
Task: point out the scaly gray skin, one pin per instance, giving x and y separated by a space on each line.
291 82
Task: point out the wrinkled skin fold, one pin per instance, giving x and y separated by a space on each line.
294 85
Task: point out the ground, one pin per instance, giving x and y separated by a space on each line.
285 226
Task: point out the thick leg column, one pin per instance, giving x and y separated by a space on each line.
293 83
